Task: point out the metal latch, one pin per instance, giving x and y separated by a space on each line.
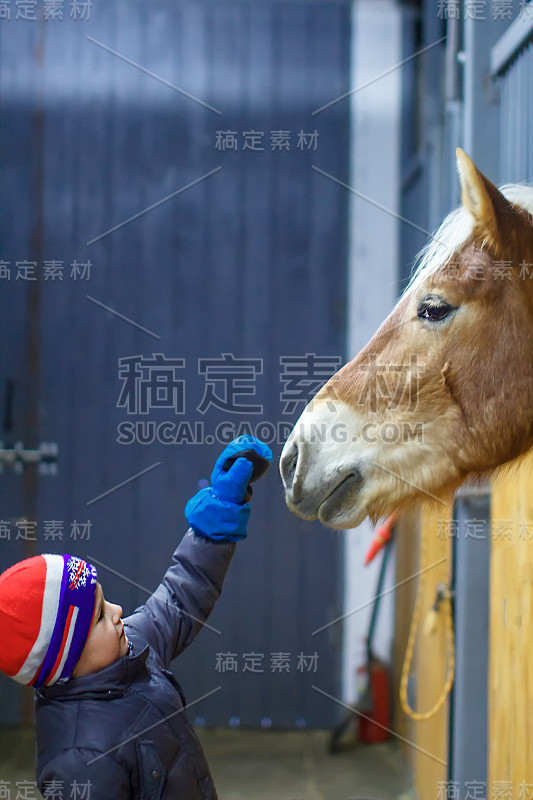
16 457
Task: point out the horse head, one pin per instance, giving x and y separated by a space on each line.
443 391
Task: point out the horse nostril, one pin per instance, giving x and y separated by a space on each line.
289 464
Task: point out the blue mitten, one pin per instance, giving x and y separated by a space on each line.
218 512
232 486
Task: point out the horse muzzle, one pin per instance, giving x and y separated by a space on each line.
310 492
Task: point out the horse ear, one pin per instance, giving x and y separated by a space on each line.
483 201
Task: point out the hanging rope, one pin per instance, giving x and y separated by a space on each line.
444 606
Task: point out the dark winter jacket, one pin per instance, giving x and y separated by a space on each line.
124 728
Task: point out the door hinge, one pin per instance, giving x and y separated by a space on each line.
17 457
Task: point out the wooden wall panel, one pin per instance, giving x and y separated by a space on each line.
407 534
432 734
427 745
511 642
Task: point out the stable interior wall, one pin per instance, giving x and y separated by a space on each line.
373 280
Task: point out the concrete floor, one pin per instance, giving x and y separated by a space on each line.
268 765
262 765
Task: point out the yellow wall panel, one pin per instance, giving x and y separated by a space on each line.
432 734
511 636
428 748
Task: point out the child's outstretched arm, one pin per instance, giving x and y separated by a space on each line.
217 515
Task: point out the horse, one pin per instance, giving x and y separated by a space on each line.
443 391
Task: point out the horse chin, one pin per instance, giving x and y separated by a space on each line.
342 518
343 508
340 509
301 511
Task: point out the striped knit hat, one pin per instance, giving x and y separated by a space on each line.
46 610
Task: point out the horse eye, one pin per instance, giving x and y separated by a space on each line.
434 312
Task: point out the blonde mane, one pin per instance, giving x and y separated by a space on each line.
455 231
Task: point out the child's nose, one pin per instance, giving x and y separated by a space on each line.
117 612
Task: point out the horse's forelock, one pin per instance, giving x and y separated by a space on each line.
455 232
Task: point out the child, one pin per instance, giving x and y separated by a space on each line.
107 708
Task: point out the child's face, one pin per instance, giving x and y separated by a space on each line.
106 642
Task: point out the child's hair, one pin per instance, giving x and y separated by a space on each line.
46 610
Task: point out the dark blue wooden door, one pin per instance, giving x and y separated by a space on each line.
190 279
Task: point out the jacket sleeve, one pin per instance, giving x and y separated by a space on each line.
71 774
175 612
